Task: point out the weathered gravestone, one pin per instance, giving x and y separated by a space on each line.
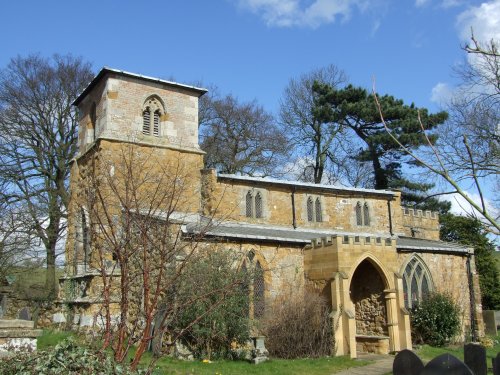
496 364
407 363
475 358
24 314
446 364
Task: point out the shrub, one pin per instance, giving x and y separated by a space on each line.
216 292
66 358
435 320
298 327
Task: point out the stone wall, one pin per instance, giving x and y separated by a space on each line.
367 293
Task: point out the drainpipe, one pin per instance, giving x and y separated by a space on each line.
294 220
472 299
390 217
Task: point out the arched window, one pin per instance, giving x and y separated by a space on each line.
93 119
317 207
359 217
258 205
366 214
258 292
151 116
362 214
417 282
254 285
310 209
249 204
254 205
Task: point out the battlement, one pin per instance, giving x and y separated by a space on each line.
419 213
320 242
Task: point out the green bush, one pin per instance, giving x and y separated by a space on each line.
435 320
215 290
66 358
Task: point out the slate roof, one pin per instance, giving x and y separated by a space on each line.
106 70
304 236
317 187
410 244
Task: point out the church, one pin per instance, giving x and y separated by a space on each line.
370 257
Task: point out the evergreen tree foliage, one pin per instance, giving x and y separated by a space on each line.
470 232
354 108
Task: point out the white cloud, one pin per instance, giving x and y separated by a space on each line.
286 13
483 19
441 93
421 3
459 206
443 4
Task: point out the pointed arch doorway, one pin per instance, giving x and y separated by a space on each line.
368 296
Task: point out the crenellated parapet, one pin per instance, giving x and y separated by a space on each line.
420 224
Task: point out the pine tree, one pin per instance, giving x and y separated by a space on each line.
355 109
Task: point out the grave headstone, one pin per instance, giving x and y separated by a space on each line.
446 364
496 364
24 314
407 363
475 358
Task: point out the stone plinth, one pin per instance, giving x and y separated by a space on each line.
17 335
372 344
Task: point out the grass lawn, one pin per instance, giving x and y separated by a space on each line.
170 366
320 366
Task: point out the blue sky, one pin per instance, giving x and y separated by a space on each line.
251 48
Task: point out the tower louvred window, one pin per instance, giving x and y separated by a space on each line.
156 124
151 116
146 122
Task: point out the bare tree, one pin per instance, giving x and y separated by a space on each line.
314 138
135 203
38 132
467 154
240 137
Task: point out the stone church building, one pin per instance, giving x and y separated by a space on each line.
370 257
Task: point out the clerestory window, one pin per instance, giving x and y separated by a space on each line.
362 213
254 206
314 212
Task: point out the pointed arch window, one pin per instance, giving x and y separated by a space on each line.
254 205
359 217
151 116
366 214
317 208
258 205
254 286
362 214
417 283
314 212
310 209
249 204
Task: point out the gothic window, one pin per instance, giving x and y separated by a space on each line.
255 287
366 214
310 209
258 292
362 214
254 205
151 117
317 207
314 210
249 204
417 282
359 217
93 118
258 205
